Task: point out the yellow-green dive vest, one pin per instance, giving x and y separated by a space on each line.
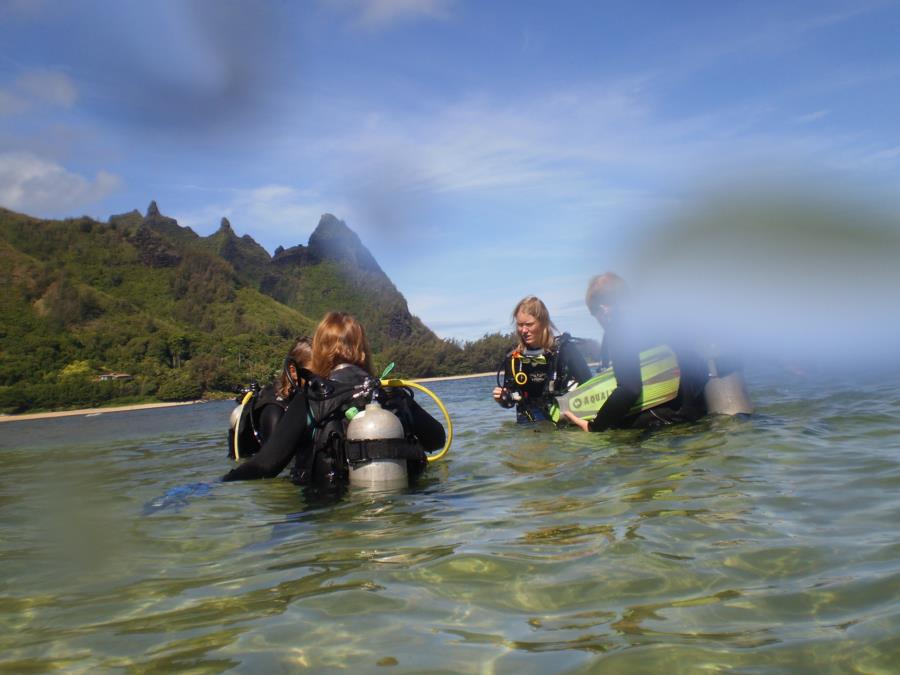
660 377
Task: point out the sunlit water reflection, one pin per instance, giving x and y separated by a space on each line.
762 544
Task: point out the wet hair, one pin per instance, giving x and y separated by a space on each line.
535 307
607 289
339 339
300 355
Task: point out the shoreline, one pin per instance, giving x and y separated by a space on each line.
94 411
448 377
149 406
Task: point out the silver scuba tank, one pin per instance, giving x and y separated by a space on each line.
725 392
372 424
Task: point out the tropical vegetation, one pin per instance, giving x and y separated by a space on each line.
139 308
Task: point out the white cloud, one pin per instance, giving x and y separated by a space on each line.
594 162
588 146
49 86
37 186
380 14
477 144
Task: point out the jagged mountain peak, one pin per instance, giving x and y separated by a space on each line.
333 240
166 225
333 231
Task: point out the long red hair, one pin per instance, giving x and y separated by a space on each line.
339 339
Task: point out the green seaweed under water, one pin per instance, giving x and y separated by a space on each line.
763 544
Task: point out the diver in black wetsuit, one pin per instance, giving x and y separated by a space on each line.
310 431
267 405
622 345
540 366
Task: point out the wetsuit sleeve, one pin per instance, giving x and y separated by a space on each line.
574 364
428 430
268 420
277 452
626 362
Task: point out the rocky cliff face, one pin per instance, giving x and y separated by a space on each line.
168 227
333 271
248 258
333 240
154 250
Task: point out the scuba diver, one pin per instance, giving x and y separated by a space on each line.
314 429
260 409
540 367
623 345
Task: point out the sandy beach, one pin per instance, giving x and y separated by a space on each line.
92 411
148 406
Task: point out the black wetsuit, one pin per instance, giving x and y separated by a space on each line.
271 409
258 420
563 364
623 348
292 436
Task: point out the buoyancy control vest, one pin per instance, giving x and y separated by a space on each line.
660 380
329 457
534 376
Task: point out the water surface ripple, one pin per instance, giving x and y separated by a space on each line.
763 544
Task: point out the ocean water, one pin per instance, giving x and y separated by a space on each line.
766 544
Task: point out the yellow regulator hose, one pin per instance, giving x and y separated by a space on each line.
416 385
237 454
520 378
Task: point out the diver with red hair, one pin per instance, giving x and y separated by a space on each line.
313 427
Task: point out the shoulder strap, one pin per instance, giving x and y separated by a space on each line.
556 374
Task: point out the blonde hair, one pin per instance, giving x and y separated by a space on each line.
339 338
300 355
606 288
535 307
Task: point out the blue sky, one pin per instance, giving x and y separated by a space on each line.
482 150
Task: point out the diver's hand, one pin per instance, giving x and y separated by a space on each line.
502 397
577 421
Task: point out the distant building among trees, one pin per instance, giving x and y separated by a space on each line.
110 377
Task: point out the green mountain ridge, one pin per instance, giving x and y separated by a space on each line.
184 315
